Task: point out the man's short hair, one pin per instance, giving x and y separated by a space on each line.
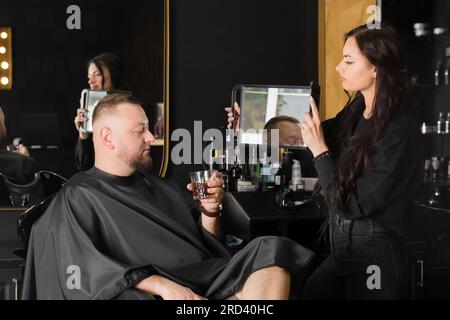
273 123
109 103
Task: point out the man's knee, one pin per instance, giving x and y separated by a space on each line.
274 270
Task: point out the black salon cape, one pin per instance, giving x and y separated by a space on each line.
104 225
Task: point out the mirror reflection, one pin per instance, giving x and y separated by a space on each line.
267 108
58 53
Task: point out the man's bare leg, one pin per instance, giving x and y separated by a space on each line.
272 283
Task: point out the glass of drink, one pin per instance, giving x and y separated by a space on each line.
199 180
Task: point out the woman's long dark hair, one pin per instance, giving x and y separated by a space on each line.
115 67
383 49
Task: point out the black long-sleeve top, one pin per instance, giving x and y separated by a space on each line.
386 188
84 154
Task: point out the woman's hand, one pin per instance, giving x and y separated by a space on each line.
79 120
21 149
312 131
167 289
231 119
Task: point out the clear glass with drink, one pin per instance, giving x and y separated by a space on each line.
199 180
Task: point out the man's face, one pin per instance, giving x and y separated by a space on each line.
290 134
133 138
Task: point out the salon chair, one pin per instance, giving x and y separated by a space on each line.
45 184
5 201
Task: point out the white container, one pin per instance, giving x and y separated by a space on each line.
439 31
421 29
296 170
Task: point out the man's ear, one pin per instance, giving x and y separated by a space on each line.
106 137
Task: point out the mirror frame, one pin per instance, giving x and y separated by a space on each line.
166 96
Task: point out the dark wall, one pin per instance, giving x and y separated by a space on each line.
50 60
217 44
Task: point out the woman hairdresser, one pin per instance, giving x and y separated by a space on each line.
105 72
366 159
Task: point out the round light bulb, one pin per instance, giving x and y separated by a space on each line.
5 65
4 81
4 35
2 50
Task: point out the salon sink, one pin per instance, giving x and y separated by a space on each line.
436 199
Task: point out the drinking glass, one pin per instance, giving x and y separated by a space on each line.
199 180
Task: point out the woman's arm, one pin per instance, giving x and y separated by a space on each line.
84 154
388 174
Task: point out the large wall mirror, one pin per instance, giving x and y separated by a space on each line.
52 41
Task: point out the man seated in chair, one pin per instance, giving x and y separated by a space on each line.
17 166
115 228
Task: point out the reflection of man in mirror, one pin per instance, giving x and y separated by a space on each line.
289 130
16 165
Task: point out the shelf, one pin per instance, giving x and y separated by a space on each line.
421 39
429 38
431 86
424 86
445 183
158 143
436 135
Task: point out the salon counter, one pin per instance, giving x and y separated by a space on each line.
252 214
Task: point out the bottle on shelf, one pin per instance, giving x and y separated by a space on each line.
281 175
296 175
235 174
254 167
447 124
437 73
212 156
276 169
446 73
443 169
448 170
427 171
423 128
286 163
441 124
267 178
435 164
225 171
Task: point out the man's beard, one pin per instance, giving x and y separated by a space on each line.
141 163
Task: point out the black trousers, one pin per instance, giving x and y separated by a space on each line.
366 262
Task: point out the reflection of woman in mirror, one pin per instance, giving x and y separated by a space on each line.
366 159
105 72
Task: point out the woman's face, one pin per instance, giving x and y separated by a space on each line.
96 80
355 71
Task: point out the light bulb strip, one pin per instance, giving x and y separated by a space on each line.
6 63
